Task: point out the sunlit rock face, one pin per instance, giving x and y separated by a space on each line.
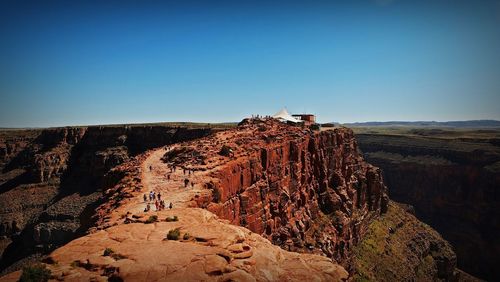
305 190
52 180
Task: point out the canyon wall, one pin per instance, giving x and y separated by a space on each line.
52 180
452 184
308 192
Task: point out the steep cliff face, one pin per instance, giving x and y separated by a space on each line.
52 180
453 185
399 247
306 191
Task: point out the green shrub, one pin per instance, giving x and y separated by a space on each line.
151 219
108 252
225 151
186 236
35 273
172 218
174 234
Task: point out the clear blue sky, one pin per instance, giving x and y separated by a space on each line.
101 62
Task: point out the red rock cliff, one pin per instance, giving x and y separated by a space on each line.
307 191
453 186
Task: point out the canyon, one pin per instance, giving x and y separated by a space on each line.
52 180
451 178
263 201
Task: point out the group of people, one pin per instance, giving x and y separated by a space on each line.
184 170
158 201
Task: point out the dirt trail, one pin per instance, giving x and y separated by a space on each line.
154 177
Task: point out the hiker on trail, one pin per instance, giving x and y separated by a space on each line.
168 176
150 167
184 171
154 195
189 170
162 204
192 184
147 208
157 205
145 198
186 181
150 195
171 206
159 196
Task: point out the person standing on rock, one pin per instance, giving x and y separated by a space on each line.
157 205
171 206
159 196
145 198
186 182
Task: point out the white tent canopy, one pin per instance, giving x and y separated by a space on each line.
283 115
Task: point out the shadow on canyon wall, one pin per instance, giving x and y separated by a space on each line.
452 178
52 180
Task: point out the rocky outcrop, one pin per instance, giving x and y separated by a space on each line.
307 191
237 195
52 180
453 185
207 249
212 250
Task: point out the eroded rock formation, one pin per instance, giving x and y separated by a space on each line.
453 185
234 193
52 180
307 191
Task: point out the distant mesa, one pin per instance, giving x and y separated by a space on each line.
458 124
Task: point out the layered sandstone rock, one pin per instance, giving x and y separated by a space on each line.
304 190
52 180
212 250
453 185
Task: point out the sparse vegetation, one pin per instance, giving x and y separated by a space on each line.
151 219
186 236
225 151
111 253
172 218
174 234
388 250
108 252
35 273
